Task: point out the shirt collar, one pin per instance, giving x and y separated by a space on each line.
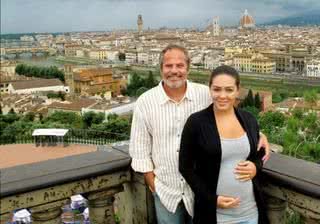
164 98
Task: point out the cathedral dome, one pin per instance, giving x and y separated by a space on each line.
246 20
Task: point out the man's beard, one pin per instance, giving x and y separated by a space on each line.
174 84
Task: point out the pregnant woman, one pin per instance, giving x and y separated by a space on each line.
218 157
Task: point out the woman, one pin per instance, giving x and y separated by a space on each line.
218 157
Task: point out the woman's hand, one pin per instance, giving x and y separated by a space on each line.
263 143
227 202
245 170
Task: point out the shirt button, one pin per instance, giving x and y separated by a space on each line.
182 193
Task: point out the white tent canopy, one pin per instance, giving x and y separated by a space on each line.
50 132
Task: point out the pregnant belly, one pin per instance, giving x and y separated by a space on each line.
228 185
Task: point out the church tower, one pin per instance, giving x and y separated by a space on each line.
140 23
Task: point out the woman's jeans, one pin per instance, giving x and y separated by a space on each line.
250 221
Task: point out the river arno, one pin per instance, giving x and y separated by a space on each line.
39 61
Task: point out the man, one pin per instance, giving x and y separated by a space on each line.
158 121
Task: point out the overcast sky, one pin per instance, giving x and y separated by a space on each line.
19 16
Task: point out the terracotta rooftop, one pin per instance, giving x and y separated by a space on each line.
86 74
36 83
74 105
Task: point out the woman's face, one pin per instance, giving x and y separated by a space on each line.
224 92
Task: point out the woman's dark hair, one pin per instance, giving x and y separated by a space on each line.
225 70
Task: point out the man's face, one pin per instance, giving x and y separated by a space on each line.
174 69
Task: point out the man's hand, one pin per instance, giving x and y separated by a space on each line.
227 202
263 143
149 179
245 170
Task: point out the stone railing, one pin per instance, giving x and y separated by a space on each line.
44 187
104 177
292 183
288 183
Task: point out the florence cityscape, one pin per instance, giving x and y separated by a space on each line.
72 71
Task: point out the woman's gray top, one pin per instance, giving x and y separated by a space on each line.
234 151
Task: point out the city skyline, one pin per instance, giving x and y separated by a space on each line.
18 16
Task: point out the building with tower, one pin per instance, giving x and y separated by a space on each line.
68 76
247 21
215 26
140 23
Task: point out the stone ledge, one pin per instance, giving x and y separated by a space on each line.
295 174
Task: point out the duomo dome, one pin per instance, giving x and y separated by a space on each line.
246 20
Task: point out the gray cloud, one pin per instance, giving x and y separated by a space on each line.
77 15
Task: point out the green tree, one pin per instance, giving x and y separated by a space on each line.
135 82
311 97
18 130
276 98
271 120
116 128
293 124
297 113
257 101
253 110
20 69
9 118
250 99
122 56
90 118
30 116
62 96
112 116
67 119
11 111
291 142
42 72
150 82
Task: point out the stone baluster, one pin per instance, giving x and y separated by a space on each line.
49 213
101 210
276 210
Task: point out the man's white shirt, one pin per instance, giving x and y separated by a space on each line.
156 130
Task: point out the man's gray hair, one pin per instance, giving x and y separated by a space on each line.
176 47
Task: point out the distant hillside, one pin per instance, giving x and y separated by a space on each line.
16 36
311 18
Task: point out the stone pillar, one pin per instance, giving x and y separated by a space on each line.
47 216
49 213
136 204
276 210
5 218
100 203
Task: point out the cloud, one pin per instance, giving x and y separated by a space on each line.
77 15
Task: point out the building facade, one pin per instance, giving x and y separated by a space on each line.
93 81
252 62
97 54
37 86
313 68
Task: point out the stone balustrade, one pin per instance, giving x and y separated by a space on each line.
44 187
104 177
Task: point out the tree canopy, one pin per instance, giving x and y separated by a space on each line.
40 72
